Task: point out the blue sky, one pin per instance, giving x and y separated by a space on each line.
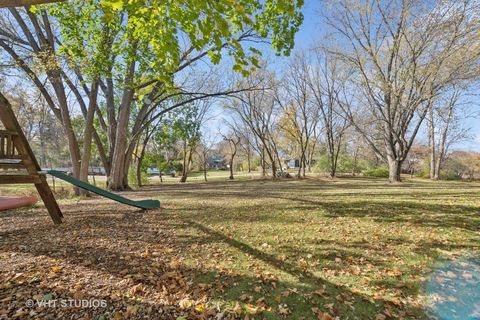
313 29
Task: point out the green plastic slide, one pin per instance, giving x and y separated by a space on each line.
142 204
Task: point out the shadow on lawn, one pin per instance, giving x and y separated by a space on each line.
115 244
311 184
363 307
391 211
97 239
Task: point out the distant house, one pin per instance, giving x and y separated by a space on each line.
97 171
216 161
295 163
92 171
153 171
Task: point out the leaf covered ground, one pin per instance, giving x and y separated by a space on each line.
309 249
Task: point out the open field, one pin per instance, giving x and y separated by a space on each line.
63 188
299 249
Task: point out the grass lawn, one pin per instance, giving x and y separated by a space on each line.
297 249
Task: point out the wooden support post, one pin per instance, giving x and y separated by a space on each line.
47 196
21 150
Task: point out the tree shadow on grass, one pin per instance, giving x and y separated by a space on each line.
314 185
391 211
126 260
363 306
137 259
86 237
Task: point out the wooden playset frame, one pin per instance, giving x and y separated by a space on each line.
16 153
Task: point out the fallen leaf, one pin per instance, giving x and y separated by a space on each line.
131 311
185 303
283 309
56 269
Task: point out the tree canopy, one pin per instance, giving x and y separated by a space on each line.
168 34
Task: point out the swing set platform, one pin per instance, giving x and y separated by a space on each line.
16 154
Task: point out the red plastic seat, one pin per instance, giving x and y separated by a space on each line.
13 203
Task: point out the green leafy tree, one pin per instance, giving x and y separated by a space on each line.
187 125
136 50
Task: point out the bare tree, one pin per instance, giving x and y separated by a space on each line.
204 150
327 81
232 139
300 116
188 124
445 128
247 144
403 52
32 42
257 109
23 34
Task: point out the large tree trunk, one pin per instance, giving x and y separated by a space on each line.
394 170
331 150
139 170
118 179
186 166
300 164
231 168
41 136
333 167
441 153
184 176
303 162
73 146
84 109
88 134
431 136
232 158
263 162
187 159
333 170
159 172
272 160
442 149
111 118
336 149
205 167
141 157
310 152
274 169
277 158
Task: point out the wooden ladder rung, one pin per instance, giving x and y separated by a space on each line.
19 165
8 132
18 179
7 145
11 157
14 146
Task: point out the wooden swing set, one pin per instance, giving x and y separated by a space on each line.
15 151
16 154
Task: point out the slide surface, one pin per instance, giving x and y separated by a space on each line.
142 204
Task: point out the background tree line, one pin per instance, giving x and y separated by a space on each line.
127 97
